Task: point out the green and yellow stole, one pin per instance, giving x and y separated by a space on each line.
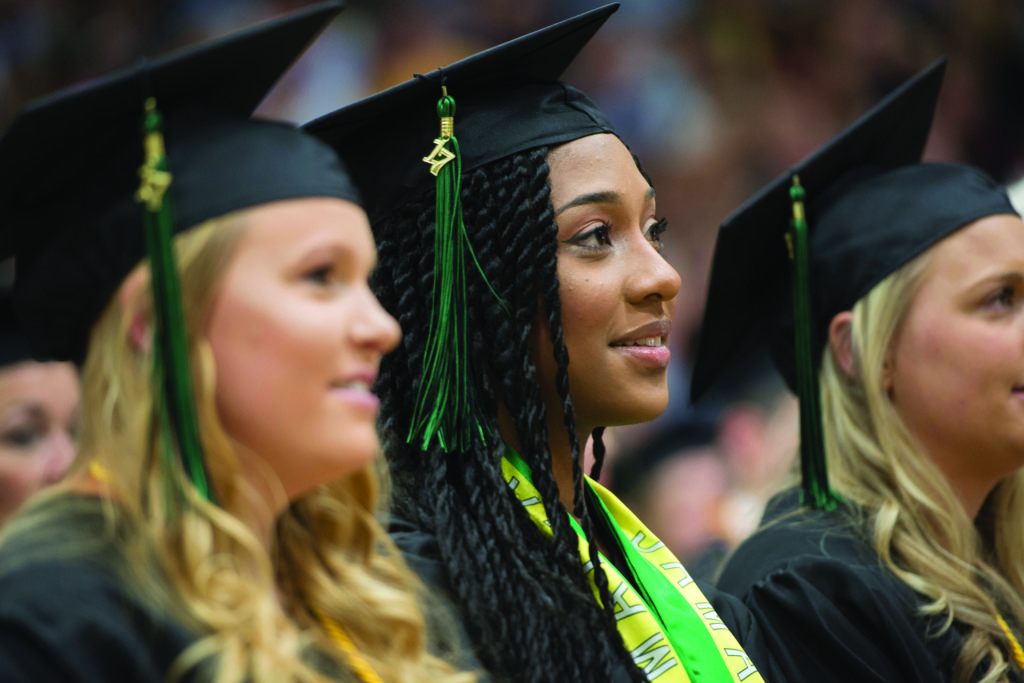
671 630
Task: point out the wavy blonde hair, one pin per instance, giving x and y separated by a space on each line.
968 572
255 611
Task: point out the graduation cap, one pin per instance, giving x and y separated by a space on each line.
14 347
781 273
78 219
412 139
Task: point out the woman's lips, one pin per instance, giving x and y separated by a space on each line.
647 356
647 344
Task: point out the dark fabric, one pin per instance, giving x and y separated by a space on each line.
14 348
70 169
828 609
68 624
508 100
420 549
66 616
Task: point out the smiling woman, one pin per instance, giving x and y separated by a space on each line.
905 562
536 309
210 273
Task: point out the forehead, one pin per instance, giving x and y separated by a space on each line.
596 160
279 227
995 242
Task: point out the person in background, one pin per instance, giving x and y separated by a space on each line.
899 560
679 484
39 415
210 273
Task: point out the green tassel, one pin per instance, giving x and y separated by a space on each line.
815 491
444 406
172 388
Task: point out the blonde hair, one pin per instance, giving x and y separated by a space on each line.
254 610
967 572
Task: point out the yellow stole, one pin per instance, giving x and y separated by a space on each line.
712 654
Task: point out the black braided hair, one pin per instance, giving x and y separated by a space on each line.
525 599
599 450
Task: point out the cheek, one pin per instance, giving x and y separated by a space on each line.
269 360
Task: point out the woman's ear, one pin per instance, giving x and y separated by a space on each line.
140 327
840 338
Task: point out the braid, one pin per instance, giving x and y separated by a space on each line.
599 451
513 586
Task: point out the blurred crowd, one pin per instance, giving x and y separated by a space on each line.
715 96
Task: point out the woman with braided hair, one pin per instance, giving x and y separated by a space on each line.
521 256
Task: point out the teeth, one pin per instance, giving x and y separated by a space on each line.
650 341
359 385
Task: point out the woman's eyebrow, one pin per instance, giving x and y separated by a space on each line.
606 197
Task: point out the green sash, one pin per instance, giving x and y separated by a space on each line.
669 627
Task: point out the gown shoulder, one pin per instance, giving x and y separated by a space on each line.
829 608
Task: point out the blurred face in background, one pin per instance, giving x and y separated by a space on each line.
38 428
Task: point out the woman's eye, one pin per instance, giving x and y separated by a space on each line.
655 232
598 238
319 276
21 437
1004 298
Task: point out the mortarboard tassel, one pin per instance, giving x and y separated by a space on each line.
443 403
172 379
815 491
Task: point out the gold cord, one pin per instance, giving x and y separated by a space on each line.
360 667
1018 652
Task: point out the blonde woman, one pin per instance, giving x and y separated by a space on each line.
909 567
218 523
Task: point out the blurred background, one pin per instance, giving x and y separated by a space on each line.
716 97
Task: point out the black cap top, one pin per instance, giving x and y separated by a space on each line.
14 347
508 100
69 168
871 208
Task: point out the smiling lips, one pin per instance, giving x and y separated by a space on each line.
647 344
357 389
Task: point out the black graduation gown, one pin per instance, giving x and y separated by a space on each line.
71 620
829 608
420 548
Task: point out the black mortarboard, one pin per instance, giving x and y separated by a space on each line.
69 168
14 347
509 100
871 208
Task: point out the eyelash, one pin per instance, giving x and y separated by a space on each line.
603 233
320 275
655 232
1006 297
23 437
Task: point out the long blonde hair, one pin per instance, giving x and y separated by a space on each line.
255 611
967 572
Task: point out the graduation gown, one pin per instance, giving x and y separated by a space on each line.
420 548
829 609
72 620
